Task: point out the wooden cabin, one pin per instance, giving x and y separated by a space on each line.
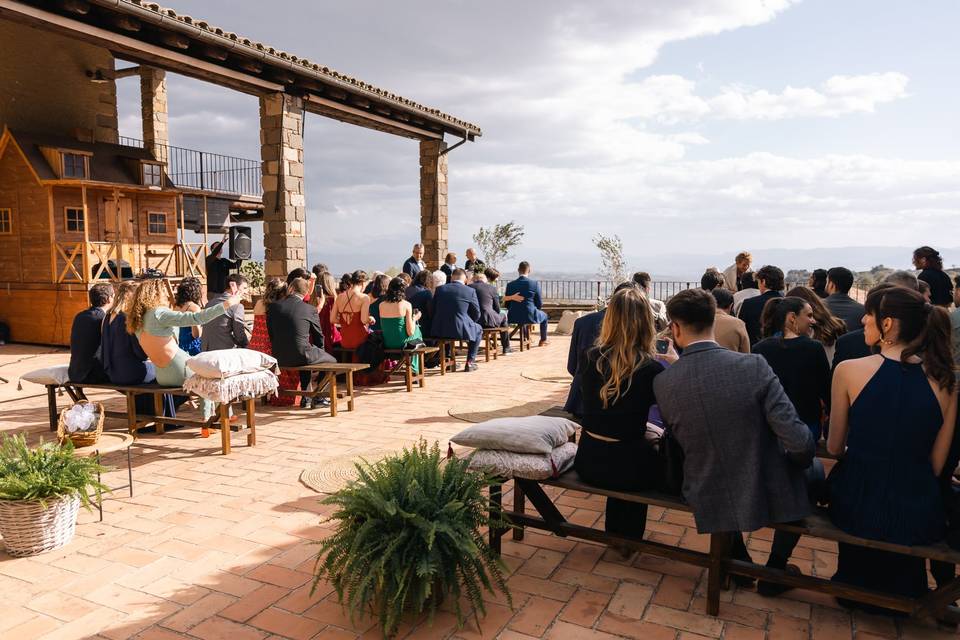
74 213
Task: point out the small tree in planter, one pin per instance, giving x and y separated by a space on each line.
41 491
408 537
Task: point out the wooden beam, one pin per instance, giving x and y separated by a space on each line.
214 53
127 23
250 66
281 75
126 72
78 7
175 40
316 104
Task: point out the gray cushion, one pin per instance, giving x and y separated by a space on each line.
531 434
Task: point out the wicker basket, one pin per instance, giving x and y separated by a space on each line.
80 438
29 528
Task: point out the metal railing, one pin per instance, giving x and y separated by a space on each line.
192 169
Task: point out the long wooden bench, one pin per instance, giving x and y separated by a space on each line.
717 562
404 364
328 384
136 421
491 341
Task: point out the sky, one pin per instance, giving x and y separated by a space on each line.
690 128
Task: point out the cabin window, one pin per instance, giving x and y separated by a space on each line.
74 165
6 222
156 223
152 175
73 219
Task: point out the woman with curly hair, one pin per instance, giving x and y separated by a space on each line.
156 326
189 299
828 327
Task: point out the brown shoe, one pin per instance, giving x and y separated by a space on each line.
544 343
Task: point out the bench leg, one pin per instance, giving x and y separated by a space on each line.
496 505
408 371
332 377
719 550
486 347
131 414
251 421
225 427
519 506
423 371
349 377
52 406
443 358
158 413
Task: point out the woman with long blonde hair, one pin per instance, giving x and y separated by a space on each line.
156 326
617 386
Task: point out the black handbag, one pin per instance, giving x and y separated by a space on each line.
672 455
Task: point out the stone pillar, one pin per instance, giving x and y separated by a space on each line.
153 111
107 121
433 202
284 205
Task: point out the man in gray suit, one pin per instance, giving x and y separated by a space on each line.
745 449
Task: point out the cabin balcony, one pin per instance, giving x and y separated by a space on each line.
89 262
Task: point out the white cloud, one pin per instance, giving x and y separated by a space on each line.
670 99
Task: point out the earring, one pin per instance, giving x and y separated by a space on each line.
886 341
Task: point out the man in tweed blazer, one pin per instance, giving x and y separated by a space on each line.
745 449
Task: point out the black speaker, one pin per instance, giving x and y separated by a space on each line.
240 243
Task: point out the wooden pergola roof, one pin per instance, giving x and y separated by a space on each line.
146 33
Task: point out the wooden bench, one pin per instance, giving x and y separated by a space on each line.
523 333
328 384
404 359
136 421
491 340
717 562
447 362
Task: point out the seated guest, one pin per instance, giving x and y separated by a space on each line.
748 289
296 336
892 420
274 291
85 337
421 301
586 330
399 321
744 453
852 344
732 275
928 260
449 265
616 381
473 263
730 332
344 283
827 328
818 282
454 312
711 279
839 302
188 299
377 293
228 330
371 283
414 264
351 312
799 361
420 283
529 310
642 279
327 288
490 314
770 281
218 268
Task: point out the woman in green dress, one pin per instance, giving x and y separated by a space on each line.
398 320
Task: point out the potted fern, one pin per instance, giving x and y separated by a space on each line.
409 535
41 491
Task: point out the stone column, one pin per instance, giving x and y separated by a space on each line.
153 111
107 124
284 205
433 202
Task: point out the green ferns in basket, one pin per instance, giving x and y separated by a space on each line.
409 535
47 472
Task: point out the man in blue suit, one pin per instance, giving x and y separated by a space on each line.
454 313
529 311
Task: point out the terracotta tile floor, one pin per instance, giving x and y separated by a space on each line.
216 547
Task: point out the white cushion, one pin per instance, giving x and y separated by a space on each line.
531 466
565 326
229 362
531 434
57 375
232 388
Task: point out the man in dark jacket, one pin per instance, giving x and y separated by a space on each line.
291 325
839 302
529 310
473 263
85 366
449 265
414 264
770 280
454 312
490 314
218 268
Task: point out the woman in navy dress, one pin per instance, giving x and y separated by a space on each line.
892 420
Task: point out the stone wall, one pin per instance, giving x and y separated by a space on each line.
153 109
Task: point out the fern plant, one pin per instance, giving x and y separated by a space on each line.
409 536
48 471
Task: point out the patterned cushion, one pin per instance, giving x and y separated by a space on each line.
530 466
531 434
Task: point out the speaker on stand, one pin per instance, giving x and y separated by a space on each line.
240 244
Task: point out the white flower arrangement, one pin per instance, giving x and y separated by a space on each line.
80 418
